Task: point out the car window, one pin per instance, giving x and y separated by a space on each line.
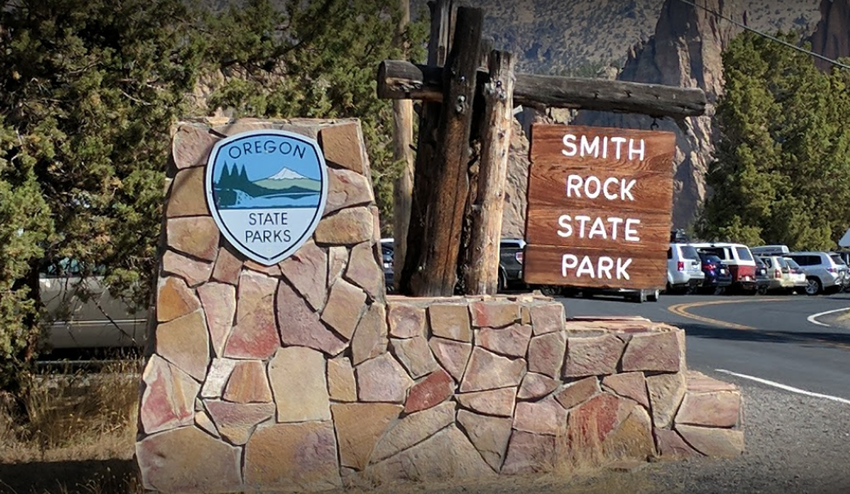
781 262
716 251
798 259
768 262
669 253
792 263
743 254
837 259
688 252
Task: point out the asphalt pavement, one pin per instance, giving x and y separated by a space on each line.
792 341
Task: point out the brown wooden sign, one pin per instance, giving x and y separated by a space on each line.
599 207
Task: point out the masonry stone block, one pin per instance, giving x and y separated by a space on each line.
188 460
300 386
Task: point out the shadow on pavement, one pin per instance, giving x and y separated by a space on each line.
68 477
758 335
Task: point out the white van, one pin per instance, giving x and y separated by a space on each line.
769 250
740 260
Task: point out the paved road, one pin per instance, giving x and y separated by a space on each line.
768 338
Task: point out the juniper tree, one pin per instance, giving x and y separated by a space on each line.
781 173
88 92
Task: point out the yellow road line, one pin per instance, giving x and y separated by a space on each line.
681 310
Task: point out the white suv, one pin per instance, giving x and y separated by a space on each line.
824 272
684 268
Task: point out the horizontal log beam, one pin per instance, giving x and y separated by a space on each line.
403 80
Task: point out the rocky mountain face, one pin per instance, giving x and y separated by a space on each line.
832 35
579 36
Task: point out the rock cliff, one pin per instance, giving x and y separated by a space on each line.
832 35
685 51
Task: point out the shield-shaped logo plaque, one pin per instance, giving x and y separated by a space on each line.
266 190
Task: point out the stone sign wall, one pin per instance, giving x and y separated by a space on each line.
305 376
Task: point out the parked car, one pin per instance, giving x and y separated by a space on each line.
684 268
779 274
845 257
762 278
387 251
717 275
82 314
824 273
738 259
798 276
510 262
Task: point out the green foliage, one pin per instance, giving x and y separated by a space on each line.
315 59
88 92
781 173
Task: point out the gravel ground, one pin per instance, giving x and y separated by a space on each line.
794 444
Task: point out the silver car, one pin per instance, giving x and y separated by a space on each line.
824 272
81 313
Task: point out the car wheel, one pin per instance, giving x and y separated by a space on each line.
502 283
719 290
762 290
813 286
652 296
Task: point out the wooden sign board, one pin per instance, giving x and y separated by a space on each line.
599 207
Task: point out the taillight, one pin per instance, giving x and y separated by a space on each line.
709 267
519 257
680 266
831 270
777 274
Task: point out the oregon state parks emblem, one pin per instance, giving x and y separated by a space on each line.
266 191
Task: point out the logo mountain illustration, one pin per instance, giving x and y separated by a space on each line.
234 189
286 174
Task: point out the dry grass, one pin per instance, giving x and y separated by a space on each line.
72 433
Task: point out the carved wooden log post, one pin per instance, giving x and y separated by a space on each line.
403 185
426 149
436 273
482 275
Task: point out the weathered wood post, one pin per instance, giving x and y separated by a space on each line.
426 147
402 140
435 269
482 275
